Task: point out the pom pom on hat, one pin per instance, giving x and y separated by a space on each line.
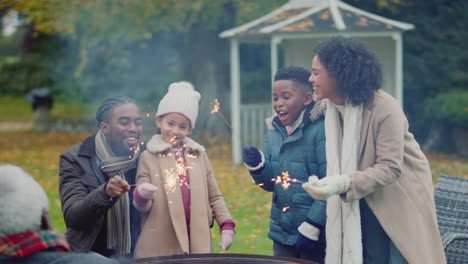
181 98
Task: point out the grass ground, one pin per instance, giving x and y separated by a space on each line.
18 109
38 154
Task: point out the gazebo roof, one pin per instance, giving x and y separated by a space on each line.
314 16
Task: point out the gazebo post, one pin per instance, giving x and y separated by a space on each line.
398 67
235 101
275 41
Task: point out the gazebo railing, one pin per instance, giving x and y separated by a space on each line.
253 126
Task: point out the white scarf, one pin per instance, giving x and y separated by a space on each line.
343 228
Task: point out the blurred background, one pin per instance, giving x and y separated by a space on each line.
60 58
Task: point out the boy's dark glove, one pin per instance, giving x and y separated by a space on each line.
308 236
251 156
305 244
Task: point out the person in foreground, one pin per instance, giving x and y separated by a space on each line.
379 190
295 145
176 189
95 178
26 236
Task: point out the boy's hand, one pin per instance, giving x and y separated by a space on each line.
307 239
251 156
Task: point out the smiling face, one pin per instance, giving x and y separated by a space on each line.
324 84
124 128
174 128
289 100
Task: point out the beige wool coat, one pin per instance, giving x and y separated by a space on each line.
395 179
164 230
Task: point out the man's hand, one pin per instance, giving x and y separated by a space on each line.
117 186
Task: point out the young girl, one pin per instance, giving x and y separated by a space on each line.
176 189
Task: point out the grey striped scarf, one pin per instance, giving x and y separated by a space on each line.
118 216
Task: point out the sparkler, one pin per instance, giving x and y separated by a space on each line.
216 108
285 180
171 179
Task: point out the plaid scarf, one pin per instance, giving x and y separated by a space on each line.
30 242
118 216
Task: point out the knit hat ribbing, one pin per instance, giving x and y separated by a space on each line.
181 98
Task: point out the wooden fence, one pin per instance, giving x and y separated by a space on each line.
253 125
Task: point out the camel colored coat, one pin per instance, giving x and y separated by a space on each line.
164 230
395 179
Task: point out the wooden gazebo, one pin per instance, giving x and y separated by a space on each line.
296 27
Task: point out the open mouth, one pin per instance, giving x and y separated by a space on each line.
283 115
131 140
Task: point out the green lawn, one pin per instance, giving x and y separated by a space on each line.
18 109
38 154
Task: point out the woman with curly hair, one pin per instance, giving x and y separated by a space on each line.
379 190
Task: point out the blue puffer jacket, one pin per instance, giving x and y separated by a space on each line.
301 154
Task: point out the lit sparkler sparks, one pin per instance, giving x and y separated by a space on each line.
173 140
285 180
286 208
171 179
216 107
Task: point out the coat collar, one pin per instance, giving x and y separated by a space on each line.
158 145
316 111
88 147
366 116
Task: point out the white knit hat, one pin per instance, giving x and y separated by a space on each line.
181 98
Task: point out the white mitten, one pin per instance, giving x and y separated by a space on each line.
226 239
146 190
326 187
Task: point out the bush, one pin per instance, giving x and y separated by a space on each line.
19 75
450 108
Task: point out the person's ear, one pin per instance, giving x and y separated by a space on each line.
309 97
158 121
104 127
45 221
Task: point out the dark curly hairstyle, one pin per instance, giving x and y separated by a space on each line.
355 68
296 74
106 107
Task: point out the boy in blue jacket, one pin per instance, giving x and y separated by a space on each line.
294 146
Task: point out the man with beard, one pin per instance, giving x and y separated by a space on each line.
95 179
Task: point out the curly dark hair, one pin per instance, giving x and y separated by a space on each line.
296 74
355 68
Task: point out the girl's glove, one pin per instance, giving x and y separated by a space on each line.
324 188
146 190
143 193
226 239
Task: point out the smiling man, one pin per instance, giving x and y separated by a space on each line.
95 182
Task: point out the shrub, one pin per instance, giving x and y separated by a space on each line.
19 75
450 108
